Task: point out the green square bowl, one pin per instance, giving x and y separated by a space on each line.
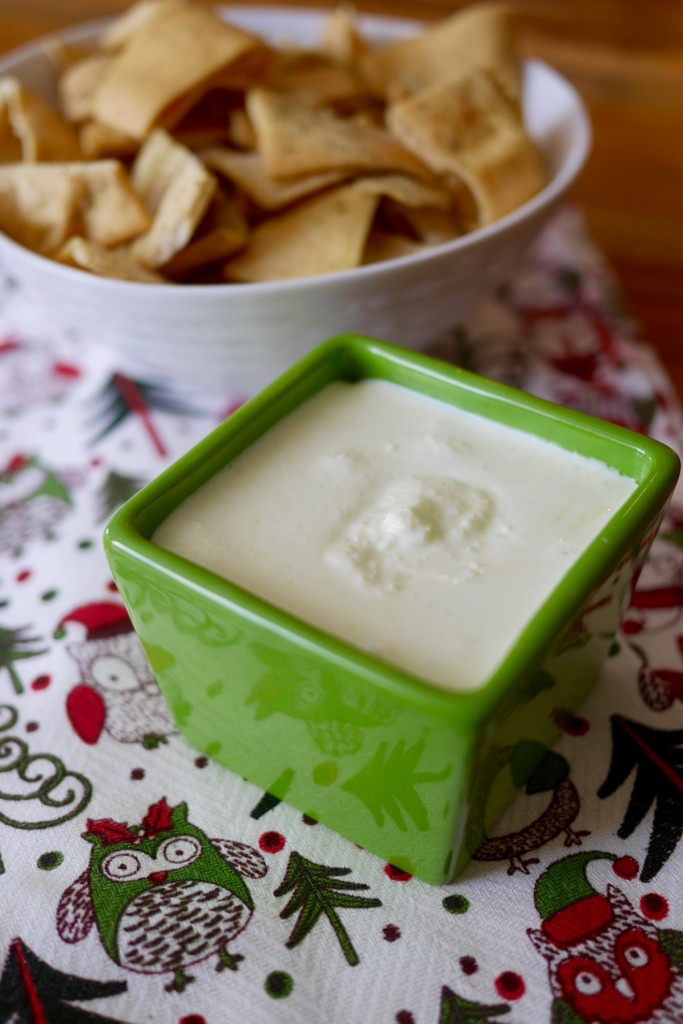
416 775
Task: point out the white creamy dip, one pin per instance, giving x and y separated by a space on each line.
423 534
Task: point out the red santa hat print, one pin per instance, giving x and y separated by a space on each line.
100 619
572 910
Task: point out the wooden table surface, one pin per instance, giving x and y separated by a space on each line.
626 59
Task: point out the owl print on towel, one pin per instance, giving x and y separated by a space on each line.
608 963
163 894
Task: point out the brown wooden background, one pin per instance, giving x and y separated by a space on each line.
626 58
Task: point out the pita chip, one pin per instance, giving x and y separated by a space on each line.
478 37
415 210
41 133
341 38
222 232
62 55
208 122
98 141
40 206
112 212
10 147
382 245
240 131
176 188
168 64
469 128
314 79
136 17
79 83
427 224
248 173
405 190
321 235
86 255
93 199
296 140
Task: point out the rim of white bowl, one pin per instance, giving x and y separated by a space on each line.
398 28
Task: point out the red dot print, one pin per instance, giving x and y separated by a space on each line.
193 1018
625 867
396 874
577 726
41 682
468 965
16 463
233 407
510 985
31 726
573 725
22 576
631 626
66 370
391 932
404 1017
111 586
271 842
137 774
654 906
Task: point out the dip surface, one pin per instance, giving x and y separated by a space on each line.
422 534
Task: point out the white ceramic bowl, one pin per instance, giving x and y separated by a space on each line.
235 338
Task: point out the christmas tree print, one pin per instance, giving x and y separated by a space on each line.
387 784
656 755
117 488
122 397
317 889
456 1010
34 498
33 992
16 645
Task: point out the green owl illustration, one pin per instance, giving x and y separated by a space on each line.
162 894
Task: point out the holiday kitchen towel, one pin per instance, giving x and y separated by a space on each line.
571 912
